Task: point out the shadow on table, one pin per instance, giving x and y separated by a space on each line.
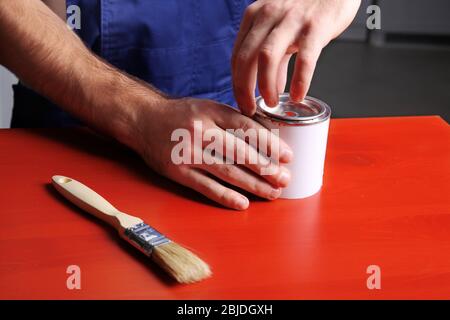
87 141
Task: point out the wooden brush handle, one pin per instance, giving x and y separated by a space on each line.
90 201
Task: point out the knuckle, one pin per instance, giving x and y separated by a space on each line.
228 170
306 59
265 191
225 196
245 125
258 188
266 53
269 9
243 56
249 13
293 20
206 188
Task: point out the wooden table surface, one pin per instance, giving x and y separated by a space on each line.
385 202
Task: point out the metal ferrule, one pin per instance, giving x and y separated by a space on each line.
144 238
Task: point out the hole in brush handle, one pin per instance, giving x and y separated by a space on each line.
63 180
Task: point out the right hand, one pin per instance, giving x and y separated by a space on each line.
153 131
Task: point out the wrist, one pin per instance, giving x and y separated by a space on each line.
130 106
111 101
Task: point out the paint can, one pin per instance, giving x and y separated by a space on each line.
304 127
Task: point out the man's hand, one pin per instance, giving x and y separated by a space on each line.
271 31
153 130
38 47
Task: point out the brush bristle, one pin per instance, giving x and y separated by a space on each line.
180 263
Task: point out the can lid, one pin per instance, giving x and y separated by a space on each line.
308 111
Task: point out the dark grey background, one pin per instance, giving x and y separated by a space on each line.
402 69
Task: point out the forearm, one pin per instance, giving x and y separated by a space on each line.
39 48
42 52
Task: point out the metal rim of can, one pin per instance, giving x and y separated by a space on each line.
323 113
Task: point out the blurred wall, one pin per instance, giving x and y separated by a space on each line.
402 69
422 17
404 17
6 96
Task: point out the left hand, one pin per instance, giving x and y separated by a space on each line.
271 32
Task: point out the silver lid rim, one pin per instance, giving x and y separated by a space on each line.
310 120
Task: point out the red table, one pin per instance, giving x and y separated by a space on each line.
385 202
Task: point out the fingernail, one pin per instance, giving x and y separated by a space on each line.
286 155
242 203
284 179
274 194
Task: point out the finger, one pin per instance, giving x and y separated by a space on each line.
246 24
246 57
200 182
245 154
271 54
246 106
244 88
241 178
282 73
305 63
234 120
236 151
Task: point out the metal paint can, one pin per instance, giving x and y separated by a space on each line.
304 127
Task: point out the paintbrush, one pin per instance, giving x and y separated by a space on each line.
176 260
